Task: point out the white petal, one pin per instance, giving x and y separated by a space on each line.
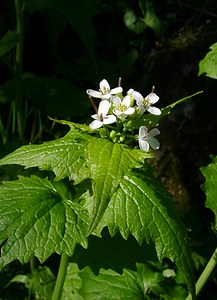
93 93
137 96
116 100
103 108
153 132
139 103
109 119
126 101
153 98
106 96
154 110
142 132
143 145
116 90
154 143
130 111
104 86
96 117
96 124
130 92
121 116
117 112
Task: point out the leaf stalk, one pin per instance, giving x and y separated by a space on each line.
205 274
20 7
57 293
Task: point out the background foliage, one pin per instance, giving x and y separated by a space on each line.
70 46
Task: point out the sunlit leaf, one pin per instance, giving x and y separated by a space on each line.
143 208
108 163
208 65
63 156
38 218
209 187
129 284
107 285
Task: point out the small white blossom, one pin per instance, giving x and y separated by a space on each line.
105 93
146 103
101 117
122 107
147 139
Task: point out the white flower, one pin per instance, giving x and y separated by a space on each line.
122 107
146 103
101 117
147 139
104 92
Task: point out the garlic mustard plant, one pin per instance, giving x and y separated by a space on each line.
115 107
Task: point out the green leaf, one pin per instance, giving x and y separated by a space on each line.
209 187
41 283
134 24
143 208
152 20
38 218
108 163
63 156
107 285
8 42
148 279
208 65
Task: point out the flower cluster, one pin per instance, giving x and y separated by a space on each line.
114 107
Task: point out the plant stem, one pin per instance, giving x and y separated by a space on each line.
57 293
205 274
19 6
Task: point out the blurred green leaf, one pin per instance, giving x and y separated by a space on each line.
78 13
8 42
41 283
151 19
54 97
133 23
208 65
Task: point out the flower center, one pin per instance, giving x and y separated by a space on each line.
101 117
146 102
105 91
121 107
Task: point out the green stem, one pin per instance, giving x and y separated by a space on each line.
205 274
57 293
19 6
